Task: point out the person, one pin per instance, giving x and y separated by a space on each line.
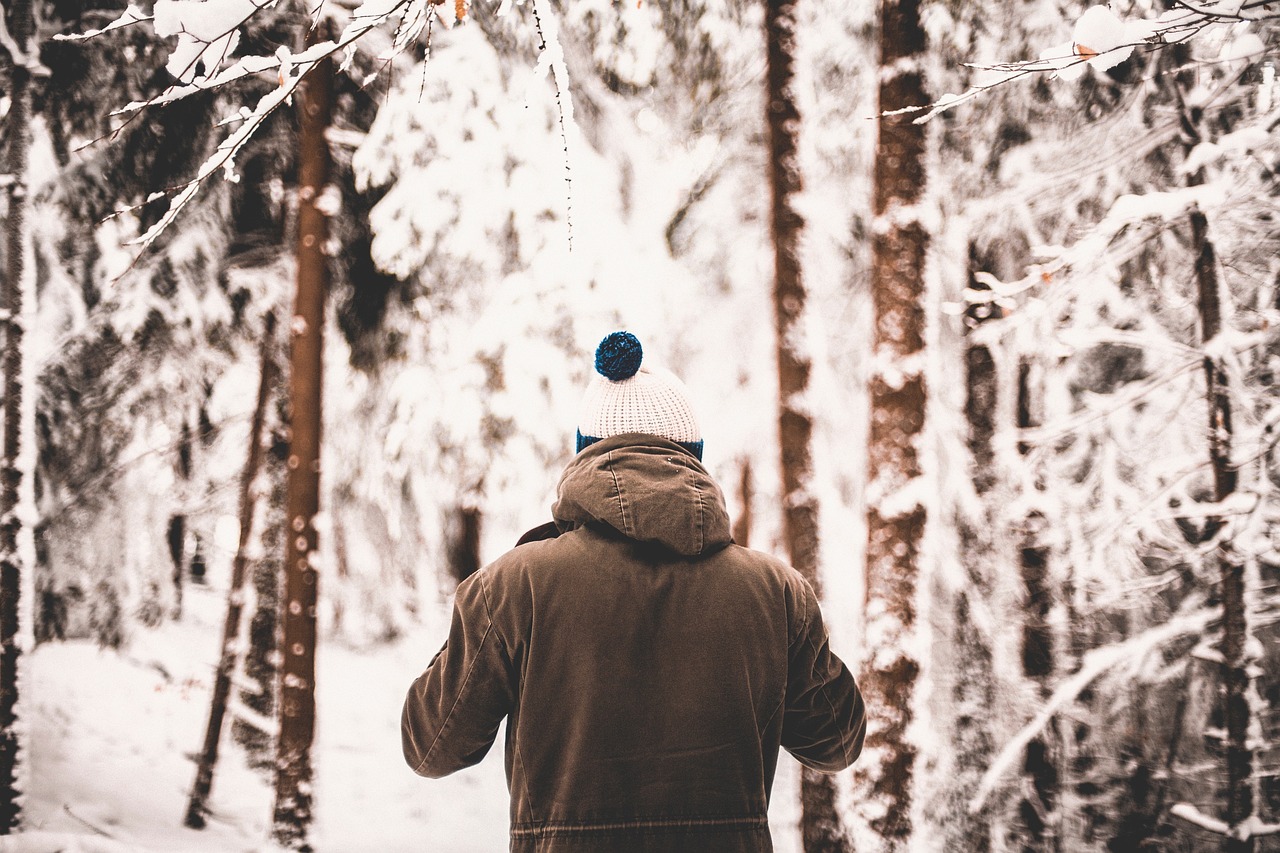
649 669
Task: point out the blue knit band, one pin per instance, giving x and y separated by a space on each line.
694 447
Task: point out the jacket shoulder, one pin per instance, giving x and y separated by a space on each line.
767 565
780 578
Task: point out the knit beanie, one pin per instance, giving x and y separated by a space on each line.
626 397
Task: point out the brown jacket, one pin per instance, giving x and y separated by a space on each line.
650 669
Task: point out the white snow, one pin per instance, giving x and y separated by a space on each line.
1246 45
113 735
1191 814
1101 35
131 15
1130 652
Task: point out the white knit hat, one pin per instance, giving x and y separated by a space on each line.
626 397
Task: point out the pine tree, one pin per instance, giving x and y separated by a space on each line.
293 807
1038 815
896 512
967 649
819 822
1235 627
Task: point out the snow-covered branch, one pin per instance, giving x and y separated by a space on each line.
1097 662
1252 828
208 33
1102 40
1126 211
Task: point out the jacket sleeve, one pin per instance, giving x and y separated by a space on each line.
824 720
453 710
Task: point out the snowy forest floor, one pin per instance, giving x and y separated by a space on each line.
111 736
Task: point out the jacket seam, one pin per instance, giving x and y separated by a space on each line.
804 617
697 490
503 645
826 694
466 681
617 490
526 830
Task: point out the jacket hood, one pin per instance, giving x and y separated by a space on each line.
648 489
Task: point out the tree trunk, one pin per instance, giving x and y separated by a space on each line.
176 532
746 490
895 508
1235 627
462 541
292 818
819 823
253 727
1038 809
967 654
17 125
1236 682
197 804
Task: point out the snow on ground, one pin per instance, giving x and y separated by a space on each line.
111 737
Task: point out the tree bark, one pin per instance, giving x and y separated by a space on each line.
741 529
462 541
176 532
18 130
1037 812
895 514
1236 682
197 804
1235 626
292 817
819 823
255 731
969 655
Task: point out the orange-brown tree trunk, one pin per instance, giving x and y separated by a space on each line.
819 822
297 706
895 502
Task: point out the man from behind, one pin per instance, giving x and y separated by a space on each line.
649 668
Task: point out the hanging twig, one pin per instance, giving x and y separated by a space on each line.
553 54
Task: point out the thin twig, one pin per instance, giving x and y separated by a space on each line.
564 134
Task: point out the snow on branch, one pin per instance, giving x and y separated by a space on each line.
224 156
1127 210
1102 40
132 15
1129 653
1251 828
1193 815
208 31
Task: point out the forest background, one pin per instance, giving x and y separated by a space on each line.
1001 383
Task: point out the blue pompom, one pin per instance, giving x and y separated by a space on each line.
618 356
